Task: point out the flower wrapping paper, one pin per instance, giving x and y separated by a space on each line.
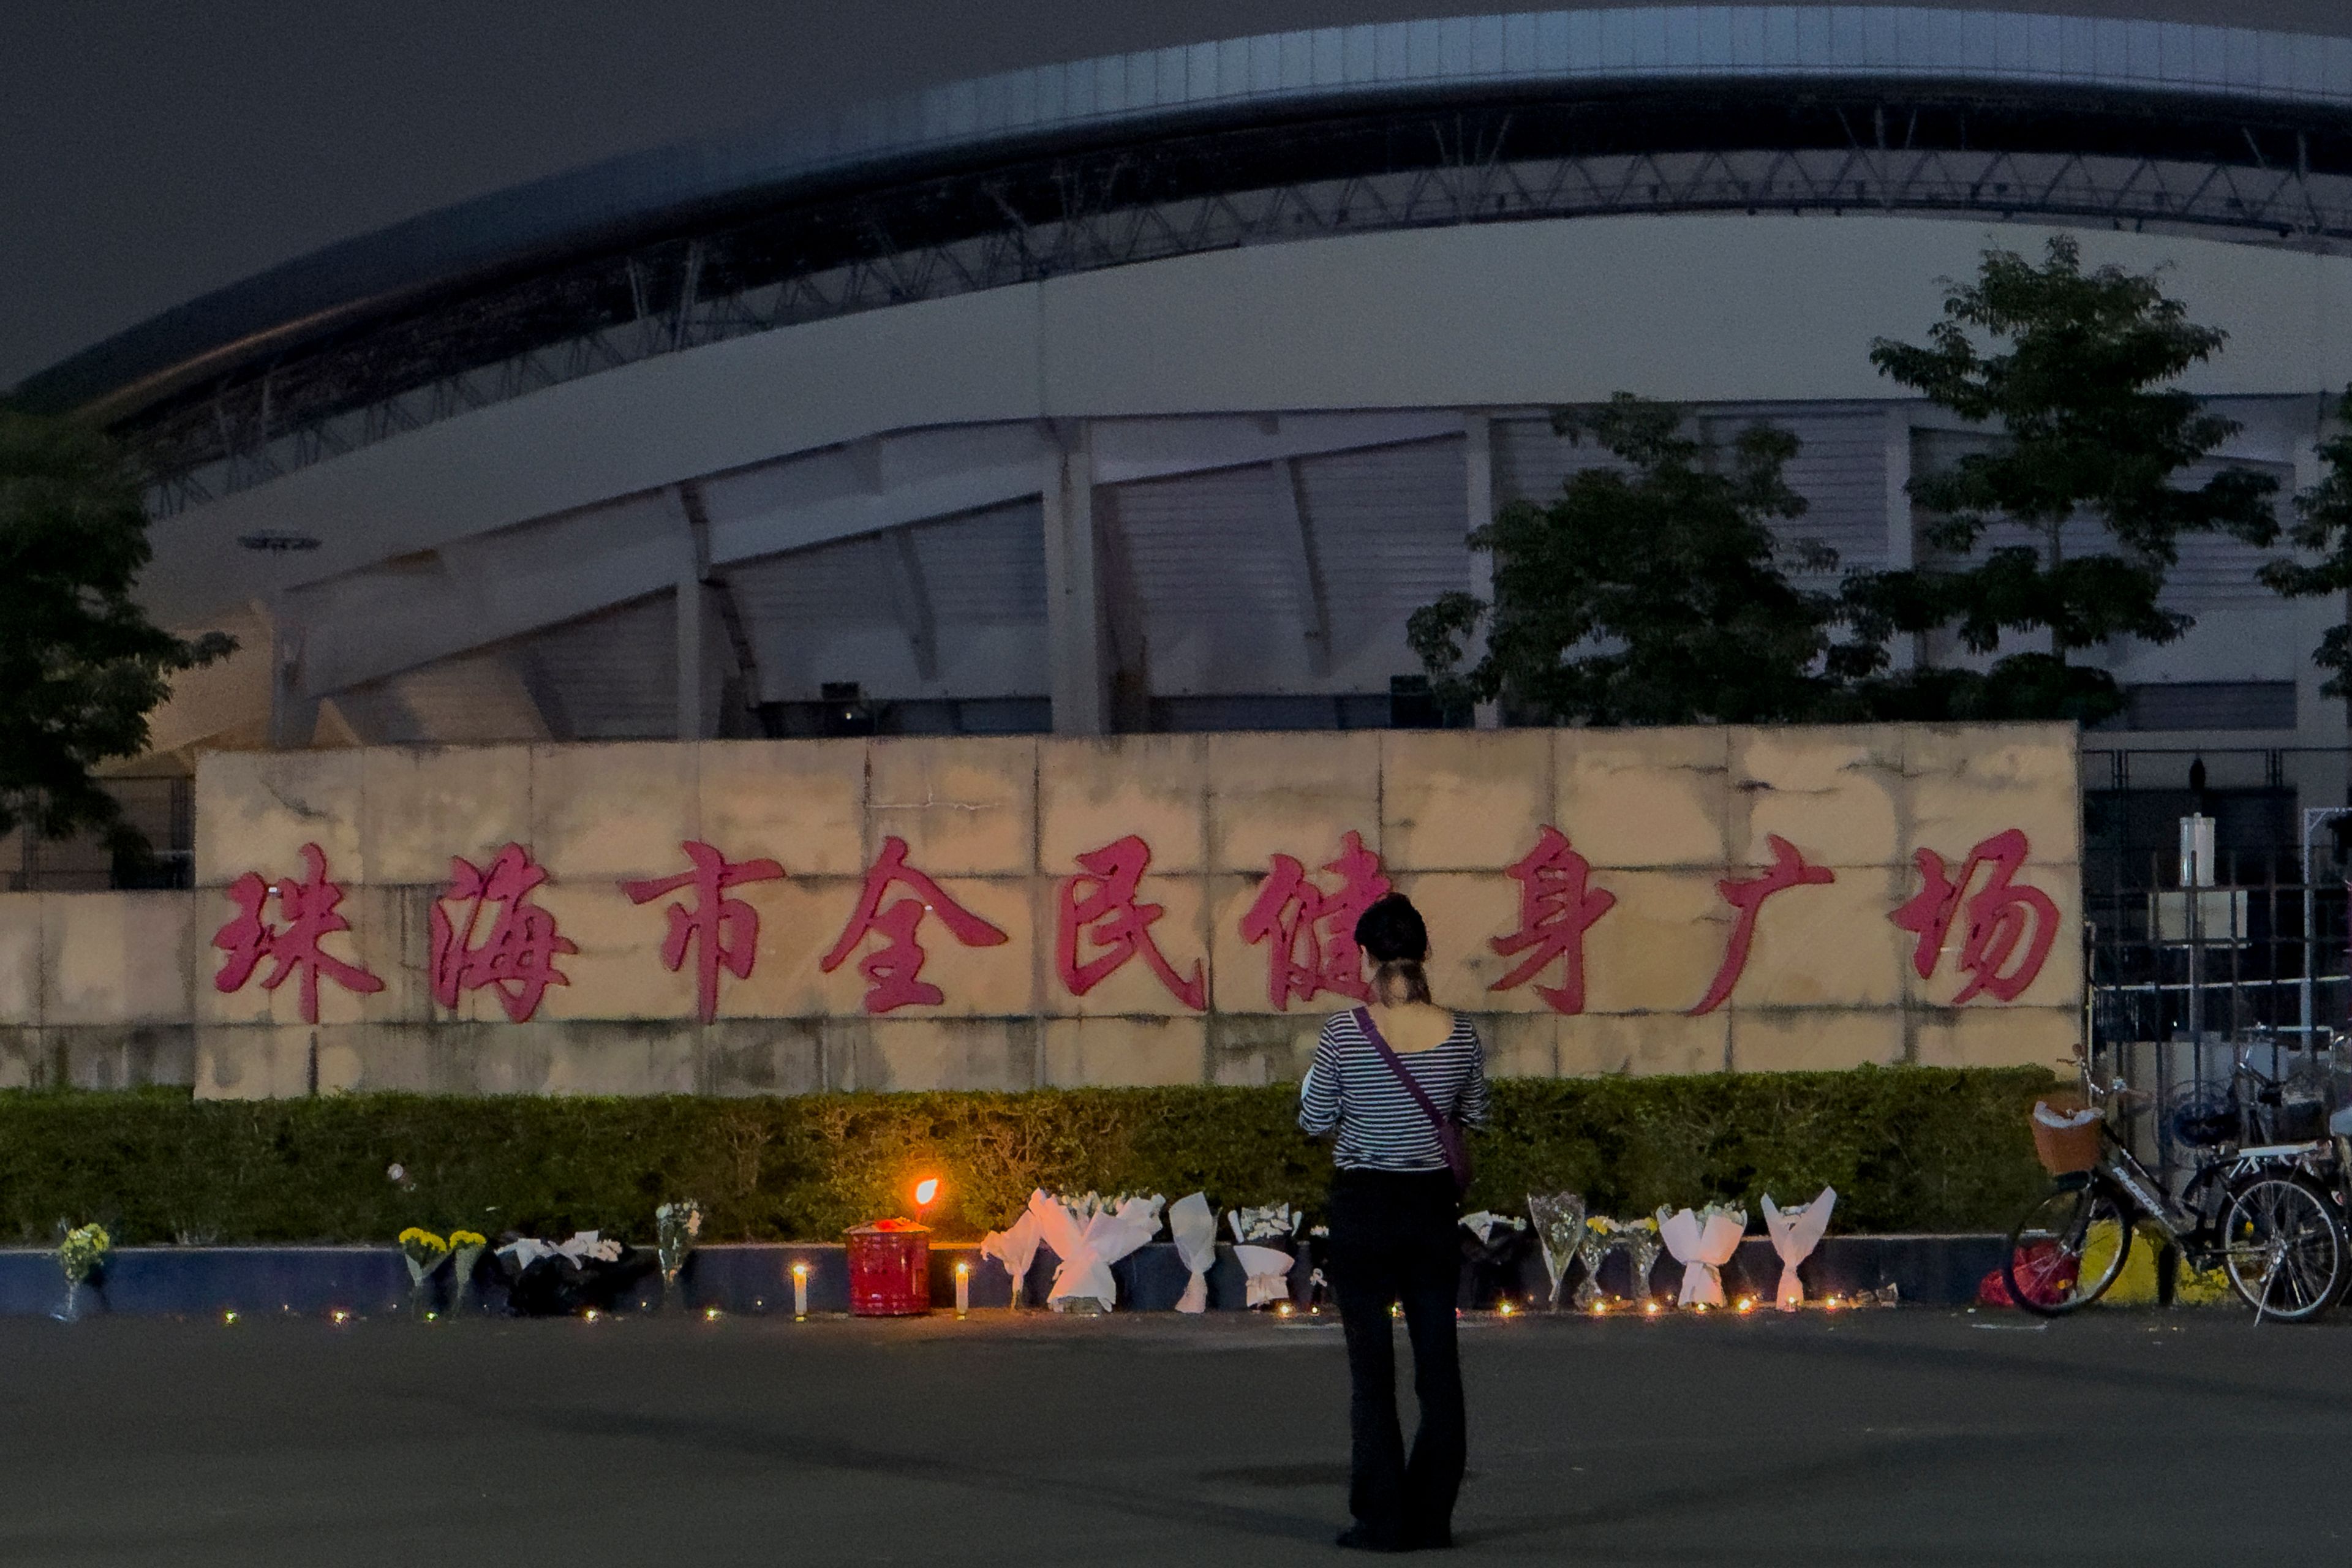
1088 1248
1015 1247
1702 1242
1795 1234
1558 1220
1268 1269
1193 1226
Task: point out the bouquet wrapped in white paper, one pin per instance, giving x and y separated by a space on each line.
1268 1266
1268 1269
1795 1232
1088 1236
1193 1226
1015 1247
1702 1242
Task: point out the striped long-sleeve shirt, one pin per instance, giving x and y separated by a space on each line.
1381 1127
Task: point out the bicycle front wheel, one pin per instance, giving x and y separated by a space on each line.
2068 1249
2283 1249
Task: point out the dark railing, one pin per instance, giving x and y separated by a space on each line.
2182 979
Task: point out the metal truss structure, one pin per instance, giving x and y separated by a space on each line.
2272 176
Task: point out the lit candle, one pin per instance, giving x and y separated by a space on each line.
800 1291
963 1288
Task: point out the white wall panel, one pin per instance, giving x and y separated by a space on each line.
1390 525
1713 307
836 612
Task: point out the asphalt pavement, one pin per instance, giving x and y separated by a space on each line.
1905 1437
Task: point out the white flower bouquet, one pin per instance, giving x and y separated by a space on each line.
1795 1232
1265 1248
1193 1226
1702 1241
1089 1234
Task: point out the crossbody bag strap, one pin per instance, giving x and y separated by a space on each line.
1449 1136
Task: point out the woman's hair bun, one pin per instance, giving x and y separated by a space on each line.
1391 930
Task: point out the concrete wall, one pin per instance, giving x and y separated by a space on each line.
114 988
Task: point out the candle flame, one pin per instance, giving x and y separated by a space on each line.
963 1270
925 1190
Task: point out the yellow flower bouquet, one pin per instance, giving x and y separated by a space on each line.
423 1252
81 1253
465 1251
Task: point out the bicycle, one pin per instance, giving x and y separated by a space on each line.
2263 1213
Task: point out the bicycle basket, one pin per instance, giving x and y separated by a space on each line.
2298 1119
2205 1118
2062 1143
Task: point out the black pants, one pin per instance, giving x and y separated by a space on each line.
1392 1240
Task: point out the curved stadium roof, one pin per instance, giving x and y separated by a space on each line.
1128 157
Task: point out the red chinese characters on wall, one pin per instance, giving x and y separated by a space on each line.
1557 904
309 906
723 931
517 958
1747 896
1313 931
894 971
1101 909
2003 918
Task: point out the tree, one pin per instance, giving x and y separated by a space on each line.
80 665
2323 527
2088 425
1653 593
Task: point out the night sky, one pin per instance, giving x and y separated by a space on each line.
151 150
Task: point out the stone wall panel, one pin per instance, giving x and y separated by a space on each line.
118 988
1155 787
802 805
1645 798
255 810
1836 793
1815 1039
1463 800
965 809
602 813
1126 1051
1291 794
422 804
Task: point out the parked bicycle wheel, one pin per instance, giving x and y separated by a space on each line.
2068 1249
2283 1249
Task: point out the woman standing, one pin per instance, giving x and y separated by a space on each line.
1397 1081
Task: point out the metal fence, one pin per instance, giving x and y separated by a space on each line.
2192 959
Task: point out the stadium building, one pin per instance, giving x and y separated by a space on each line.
1154 392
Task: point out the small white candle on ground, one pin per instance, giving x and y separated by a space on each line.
963 1288
800 1290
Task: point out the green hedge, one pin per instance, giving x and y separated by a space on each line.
1907 1148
